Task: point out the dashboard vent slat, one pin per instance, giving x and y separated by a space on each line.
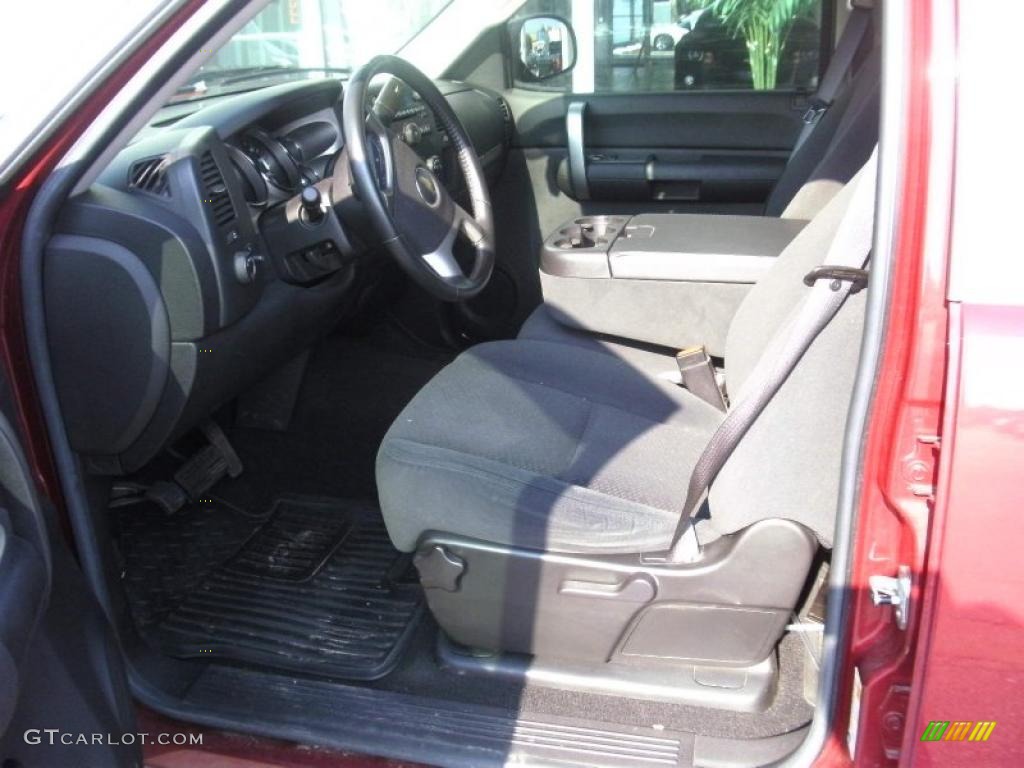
506 113
215 191
150 175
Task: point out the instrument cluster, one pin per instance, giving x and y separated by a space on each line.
274 168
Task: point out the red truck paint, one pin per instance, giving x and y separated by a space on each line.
972 638
942 491
899 475
222 749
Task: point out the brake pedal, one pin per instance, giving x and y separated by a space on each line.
125 493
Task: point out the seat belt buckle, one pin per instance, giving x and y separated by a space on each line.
698 375
815 109
858 277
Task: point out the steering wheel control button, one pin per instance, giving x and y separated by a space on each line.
312 211
427 186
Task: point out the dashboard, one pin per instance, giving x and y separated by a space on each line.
173 282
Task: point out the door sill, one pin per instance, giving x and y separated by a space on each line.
434 731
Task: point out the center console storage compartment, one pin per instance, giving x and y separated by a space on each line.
665 246
666 279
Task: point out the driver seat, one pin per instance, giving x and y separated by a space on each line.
541 484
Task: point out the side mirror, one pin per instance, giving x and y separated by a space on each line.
547 47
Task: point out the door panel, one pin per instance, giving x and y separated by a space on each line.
720 150
61 675
753 120
24 568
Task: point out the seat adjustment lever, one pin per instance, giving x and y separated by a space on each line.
635 589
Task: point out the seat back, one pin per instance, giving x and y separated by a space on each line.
838 146
787 465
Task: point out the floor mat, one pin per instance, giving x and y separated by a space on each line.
316 589
295 543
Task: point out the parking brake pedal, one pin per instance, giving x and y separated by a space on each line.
197 475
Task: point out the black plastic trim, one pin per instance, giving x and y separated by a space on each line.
38 226
422 730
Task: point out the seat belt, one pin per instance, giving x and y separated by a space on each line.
857 26
840 274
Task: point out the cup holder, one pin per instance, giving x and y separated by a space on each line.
589 232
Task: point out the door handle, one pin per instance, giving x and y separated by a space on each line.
574 119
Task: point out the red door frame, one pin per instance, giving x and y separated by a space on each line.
902 444
969 666
941 487
907 406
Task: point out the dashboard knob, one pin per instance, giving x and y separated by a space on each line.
412 133
311 204
246 266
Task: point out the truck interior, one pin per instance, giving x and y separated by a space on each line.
475 419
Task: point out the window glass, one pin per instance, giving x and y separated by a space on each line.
48 53
669 45
302 38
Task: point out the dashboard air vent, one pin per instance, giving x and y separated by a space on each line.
506 113
150 175
215 191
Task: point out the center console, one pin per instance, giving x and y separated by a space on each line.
666 279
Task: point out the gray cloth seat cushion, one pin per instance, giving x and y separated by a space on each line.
545 446
544 324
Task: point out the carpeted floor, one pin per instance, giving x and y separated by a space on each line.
352 392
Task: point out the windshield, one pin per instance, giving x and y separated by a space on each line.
310 38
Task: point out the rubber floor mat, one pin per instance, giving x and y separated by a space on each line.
317 588
294 543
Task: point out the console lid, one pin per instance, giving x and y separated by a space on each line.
703 248
700 248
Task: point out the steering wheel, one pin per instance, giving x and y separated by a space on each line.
408 206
